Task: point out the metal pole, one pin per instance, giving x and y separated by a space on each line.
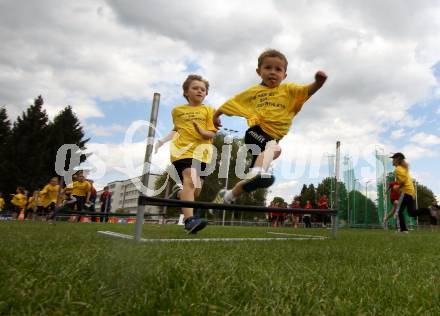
147 160
417 203
366 198
228 140
336 202
354 201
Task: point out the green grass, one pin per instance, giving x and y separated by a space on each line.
67 269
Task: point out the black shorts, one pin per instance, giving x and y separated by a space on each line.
183 164
256 136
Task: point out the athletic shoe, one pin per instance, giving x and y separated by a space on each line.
219 199
174 195
258 180
193 225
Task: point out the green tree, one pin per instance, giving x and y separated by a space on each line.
5 164
425 197
27 148
65 129
308 193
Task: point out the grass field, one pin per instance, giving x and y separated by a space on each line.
67 269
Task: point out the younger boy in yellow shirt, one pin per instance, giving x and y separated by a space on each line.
269 108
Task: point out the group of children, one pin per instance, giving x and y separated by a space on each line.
269 108
54 199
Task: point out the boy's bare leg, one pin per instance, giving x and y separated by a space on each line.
189 189
263 162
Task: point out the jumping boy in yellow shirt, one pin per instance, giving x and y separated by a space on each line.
269 108
191 147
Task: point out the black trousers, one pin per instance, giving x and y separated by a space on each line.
406 201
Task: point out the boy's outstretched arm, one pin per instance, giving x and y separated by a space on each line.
216 119
320 78
162 141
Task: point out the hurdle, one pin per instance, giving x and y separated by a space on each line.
154 201
145 200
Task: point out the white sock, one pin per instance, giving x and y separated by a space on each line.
256 170
229 197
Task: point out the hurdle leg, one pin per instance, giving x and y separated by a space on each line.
334 225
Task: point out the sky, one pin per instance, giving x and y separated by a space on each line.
107 59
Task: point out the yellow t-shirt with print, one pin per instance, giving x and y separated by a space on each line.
405 180
81 188
2 203
48 195
273 109
188 143
19 200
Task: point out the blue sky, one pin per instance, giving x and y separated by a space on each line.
383 87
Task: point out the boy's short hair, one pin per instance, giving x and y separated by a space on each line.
191 78
271 53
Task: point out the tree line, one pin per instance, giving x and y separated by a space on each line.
28 145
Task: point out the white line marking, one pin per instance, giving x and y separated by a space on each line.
124 236
299 235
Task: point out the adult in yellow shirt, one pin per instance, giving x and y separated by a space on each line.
269 108
408 193
191 147
81 192
49 195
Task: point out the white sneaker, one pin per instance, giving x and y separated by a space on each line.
174 195
219 199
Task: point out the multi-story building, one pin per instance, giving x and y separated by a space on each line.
125 196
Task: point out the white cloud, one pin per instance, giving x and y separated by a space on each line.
287 190
425 139
104 130
413 152
378 66
397 134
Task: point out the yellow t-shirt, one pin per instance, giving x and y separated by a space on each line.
48 195
81 188
405 180
19 200
2 203
273 109
188 143
31 203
